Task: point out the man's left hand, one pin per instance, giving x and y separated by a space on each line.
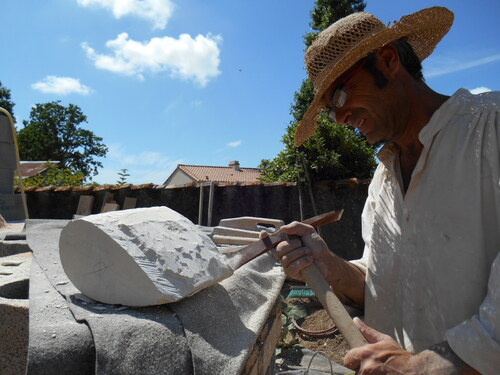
382 354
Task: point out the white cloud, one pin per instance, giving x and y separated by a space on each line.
186 58
233 144
118 152
143 167
61 86
440 67
156 11
479 90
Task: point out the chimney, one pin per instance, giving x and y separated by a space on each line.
235 165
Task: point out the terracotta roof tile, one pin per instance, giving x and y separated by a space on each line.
202 173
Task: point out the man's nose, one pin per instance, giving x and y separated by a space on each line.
342 115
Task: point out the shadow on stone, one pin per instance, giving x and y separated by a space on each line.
15 290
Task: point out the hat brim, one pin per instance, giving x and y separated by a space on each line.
423 29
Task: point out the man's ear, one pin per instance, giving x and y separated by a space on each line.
388 60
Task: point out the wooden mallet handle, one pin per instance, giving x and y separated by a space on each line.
333 306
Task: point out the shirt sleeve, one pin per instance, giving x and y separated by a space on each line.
477 340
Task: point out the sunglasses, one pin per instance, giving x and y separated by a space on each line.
339 95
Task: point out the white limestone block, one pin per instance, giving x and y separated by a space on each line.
139 257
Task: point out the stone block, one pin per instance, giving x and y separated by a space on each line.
14 313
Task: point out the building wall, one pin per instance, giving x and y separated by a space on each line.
179 178
278 201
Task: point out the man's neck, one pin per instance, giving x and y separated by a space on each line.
423 103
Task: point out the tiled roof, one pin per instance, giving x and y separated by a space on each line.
201 173
32 168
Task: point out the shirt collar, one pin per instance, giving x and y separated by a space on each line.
438 120
441 117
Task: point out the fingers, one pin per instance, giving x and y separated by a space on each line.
370 334
263 234
297 229
373 357
296 260
294 257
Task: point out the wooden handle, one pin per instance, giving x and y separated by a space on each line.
333 306
232 240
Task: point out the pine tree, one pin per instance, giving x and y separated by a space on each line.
334 151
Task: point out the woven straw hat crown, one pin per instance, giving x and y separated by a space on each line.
334 42
342 44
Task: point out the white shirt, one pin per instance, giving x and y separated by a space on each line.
429 254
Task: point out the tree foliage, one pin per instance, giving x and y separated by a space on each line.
53 132
5 100
334 151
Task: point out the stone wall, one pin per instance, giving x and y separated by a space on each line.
270 200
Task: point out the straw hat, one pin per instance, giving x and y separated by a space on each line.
348 40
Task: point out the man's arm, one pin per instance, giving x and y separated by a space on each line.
347 280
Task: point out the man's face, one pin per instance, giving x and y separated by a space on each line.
378 113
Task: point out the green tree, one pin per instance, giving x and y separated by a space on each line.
5 100
55 176
53 132
334 151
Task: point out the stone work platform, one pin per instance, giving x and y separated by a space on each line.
206 347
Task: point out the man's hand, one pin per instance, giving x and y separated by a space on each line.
304 246
383 355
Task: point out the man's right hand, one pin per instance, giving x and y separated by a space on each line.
304 246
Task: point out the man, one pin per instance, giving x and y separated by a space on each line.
430 273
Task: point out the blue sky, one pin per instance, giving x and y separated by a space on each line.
165 82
